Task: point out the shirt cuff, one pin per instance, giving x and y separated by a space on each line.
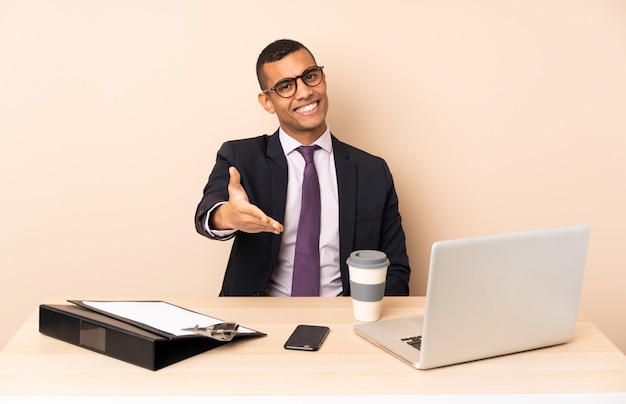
219 234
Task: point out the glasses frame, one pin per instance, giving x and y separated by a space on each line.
295 81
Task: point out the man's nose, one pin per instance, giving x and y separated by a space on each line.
302 90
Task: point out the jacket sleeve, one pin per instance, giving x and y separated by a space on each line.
216 189
393 242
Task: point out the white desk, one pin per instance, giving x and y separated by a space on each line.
32 364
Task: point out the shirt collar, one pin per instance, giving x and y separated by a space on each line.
290 144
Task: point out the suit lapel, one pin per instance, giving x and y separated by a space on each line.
277 164
346 182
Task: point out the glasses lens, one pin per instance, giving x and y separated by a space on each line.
312 76
285 88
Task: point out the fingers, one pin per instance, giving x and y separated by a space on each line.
260 222
253 220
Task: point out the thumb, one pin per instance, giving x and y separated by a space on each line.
235 190
235 177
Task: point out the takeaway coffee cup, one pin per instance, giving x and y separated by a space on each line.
368 271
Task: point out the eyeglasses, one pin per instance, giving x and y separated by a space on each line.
286 88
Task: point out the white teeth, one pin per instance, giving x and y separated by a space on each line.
307 108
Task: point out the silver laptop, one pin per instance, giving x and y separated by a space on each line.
491 296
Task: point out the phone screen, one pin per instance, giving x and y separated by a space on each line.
307 337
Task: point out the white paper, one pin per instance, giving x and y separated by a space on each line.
159 315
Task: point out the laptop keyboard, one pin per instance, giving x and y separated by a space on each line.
415 342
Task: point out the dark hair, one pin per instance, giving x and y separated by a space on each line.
275 52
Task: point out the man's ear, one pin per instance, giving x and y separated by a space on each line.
266 102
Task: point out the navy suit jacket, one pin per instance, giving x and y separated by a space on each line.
369 218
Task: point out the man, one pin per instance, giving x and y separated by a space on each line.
254 192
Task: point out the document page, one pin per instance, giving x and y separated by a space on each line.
159 315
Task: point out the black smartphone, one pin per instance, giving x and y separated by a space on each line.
307 337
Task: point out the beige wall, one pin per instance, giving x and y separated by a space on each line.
494 116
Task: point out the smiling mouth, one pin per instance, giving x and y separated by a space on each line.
306 109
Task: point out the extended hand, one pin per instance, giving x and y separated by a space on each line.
239 214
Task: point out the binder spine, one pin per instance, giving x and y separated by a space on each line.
97 337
